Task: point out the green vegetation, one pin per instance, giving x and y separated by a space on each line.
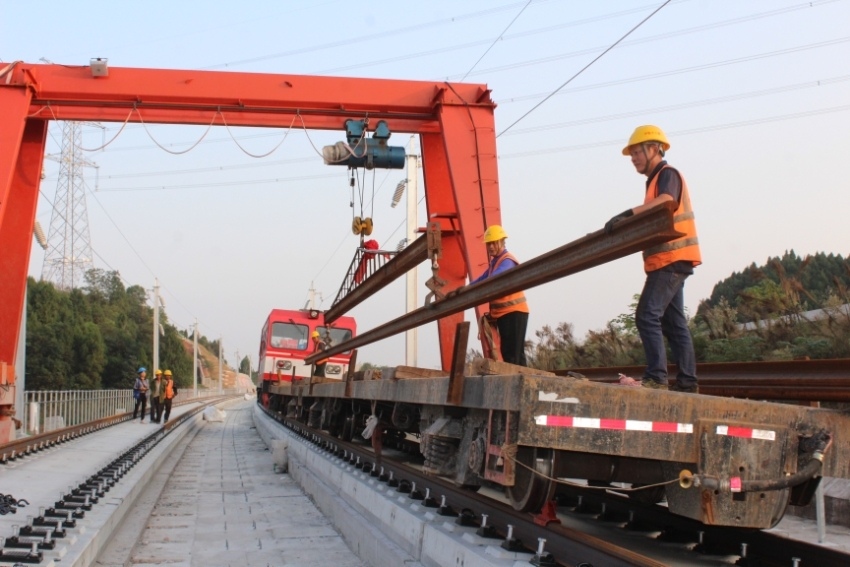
96 337
774 296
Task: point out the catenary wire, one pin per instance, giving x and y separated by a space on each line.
580 71
486 51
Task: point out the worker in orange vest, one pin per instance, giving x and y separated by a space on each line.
510 312
660 311
319 346
169 391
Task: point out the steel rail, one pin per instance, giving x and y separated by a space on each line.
396 267
802 380
634 234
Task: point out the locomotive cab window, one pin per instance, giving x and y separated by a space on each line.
289 335
337 335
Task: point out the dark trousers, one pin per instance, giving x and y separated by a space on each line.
156 409
320 370
661 313
512 336
141 403
167 404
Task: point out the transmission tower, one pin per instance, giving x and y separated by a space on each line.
69 253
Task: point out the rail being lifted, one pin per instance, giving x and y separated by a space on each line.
634 234
721 461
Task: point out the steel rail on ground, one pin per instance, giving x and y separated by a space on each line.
801 380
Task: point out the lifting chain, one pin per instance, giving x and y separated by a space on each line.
435 252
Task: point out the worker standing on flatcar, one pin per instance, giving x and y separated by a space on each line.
510 312
660 310
319 346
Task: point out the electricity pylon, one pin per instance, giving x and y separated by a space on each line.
69 252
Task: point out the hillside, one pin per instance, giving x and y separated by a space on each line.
208 368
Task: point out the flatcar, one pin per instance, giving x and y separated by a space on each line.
721 461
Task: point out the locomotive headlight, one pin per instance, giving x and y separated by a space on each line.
284 365
333 369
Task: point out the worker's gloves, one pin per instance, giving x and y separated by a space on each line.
609 226
454 292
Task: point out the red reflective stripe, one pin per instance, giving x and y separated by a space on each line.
559 420
612 423
665 427
739 432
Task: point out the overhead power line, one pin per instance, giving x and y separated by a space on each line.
582 70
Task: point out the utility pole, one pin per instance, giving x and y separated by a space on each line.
195 362
220 367
155 324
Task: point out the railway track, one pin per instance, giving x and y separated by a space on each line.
49 529
590 526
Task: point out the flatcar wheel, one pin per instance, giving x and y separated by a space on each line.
531 490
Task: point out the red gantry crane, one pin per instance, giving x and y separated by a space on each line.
454 121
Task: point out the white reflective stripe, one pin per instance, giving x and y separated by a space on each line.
540 419
587 422
764 434
633 425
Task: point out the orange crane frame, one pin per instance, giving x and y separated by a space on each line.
455 123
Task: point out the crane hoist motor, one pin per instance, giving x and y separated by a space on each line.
360 151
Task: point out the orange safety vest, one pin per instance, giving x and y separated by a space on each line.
684 248
169 389
321 348
509 303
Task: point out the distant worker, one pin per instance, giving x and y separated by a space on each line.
169 390
319 346
510 312
157 388
141 392
660 311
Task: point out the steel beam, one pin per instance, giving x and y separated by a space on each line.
396 267
631 235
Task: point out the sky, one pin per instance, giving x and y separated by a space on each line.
752 95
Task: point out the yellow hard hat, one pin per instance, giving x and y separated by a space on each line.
494 233
158 372
647 133
315 334
168 372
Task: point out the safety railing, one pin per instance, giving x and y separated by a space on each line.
48 410
366 262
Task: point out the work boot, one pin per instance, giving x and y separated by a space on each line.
652 384
676 387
